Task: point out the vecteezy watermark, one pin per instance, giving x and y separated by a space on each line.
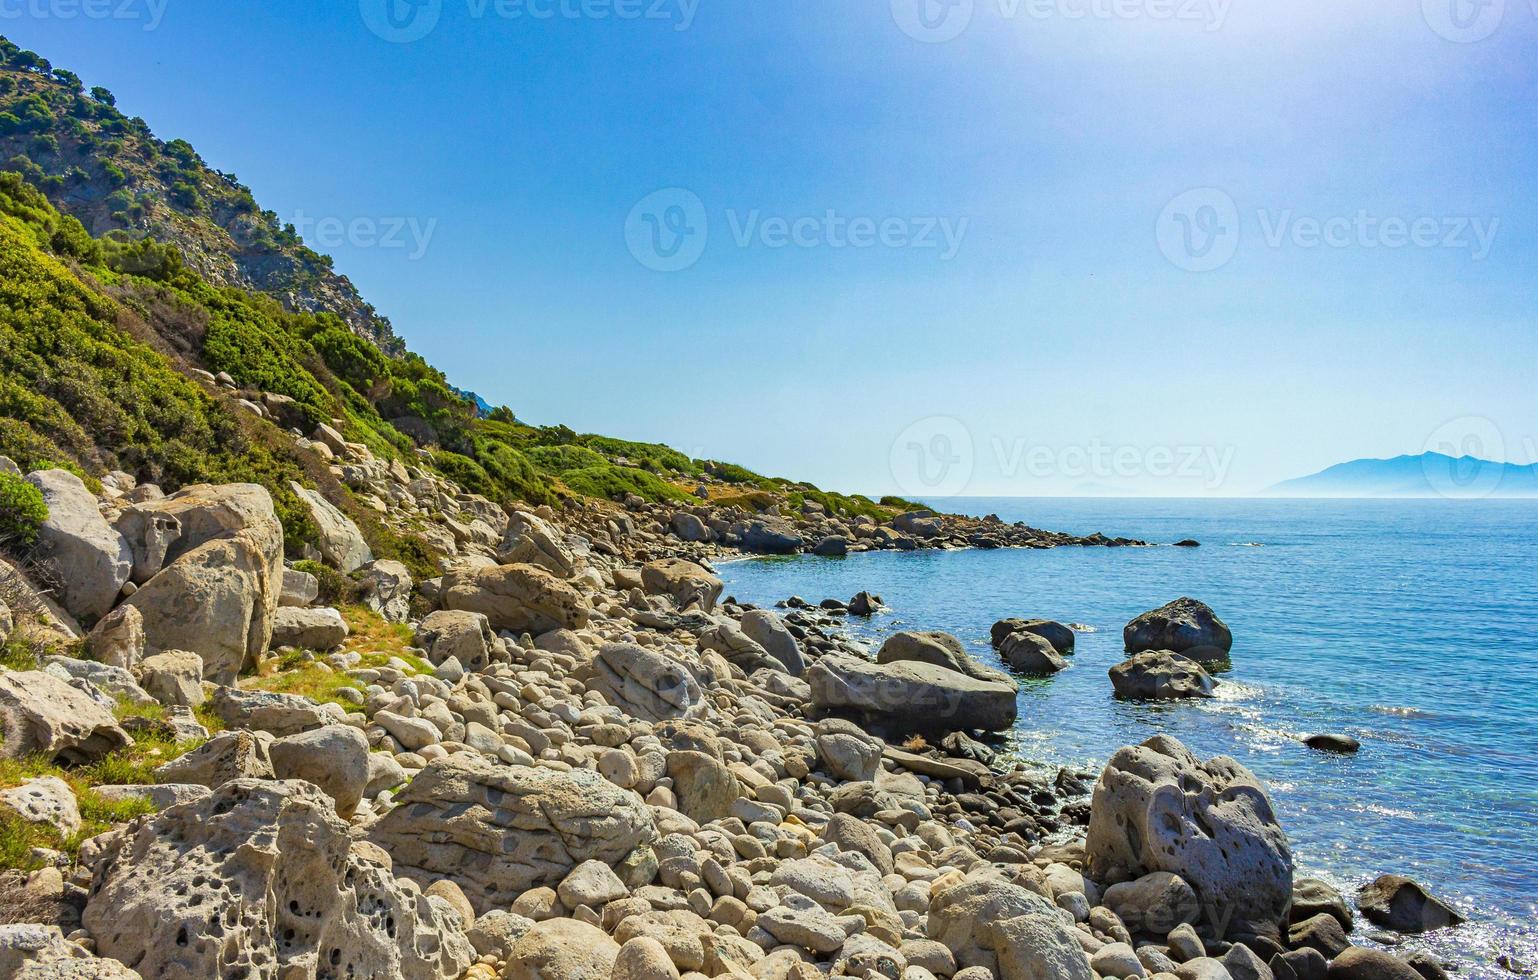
1096 460
404 21
1465 21
933 457
938 21
1200 230
150 13
1463 457
409 234
667 231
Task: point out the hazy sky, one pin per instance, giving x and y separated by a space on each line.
978 246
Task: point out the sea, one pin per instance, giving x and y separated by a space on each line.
1409 624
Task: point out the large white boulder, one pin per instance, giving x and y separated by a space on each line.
1157 807
499 830
219 590
341 543
84 559
260 878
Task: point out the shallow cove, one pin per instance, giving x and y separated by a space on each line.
1408 624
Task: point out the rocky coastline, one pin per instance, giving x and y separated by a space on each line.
567 757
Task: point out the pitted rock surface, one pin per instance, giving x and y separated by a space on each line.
258 879
500 830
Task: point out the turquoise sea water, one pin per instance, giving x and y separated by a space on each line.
1412 625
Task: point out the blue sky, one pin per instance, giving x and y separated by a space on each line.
1153 246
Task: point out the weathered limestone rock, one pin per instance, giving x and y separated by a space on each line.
115 682
963 917
259 879
646 683
173 677
916 696
299 588
218 592
1155 903
765 628
277 714
44 799
118 638
308 629
738 648
684 581
385 587
561 949
521 598
938 649
464 636
38 952
1184 626
86 561
335 758
341 543
151 533
704 786
226 756
43 715
1157 807
530 540
499 830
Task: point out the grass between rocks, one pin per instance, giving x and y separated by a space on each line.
133 764
304 673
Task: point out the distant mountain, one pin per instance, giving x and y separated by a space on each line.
1426 475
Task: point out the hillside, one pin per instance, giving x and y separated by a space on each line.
112 174
103 337
1426 475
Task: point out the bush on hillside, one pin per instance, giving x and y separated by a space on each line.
22 512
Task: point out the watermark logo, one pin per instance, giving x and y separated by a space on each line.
151 13
1199 230
401 21
933 457
667 230
933 21
404 21
1467 461
407 234
938 21
1464 21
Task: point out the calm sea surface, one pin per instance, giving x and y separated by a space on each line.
1412 625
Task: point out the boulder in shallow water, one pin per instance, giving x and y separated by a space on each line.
1031 653
1157 807
1055 633
1185 626
1398 903
1339 744
1159 675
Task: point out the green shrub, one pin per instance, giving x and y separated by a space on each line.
613 482
22 512
334 586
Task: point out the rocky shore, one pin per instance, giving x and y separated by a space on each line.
567 758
